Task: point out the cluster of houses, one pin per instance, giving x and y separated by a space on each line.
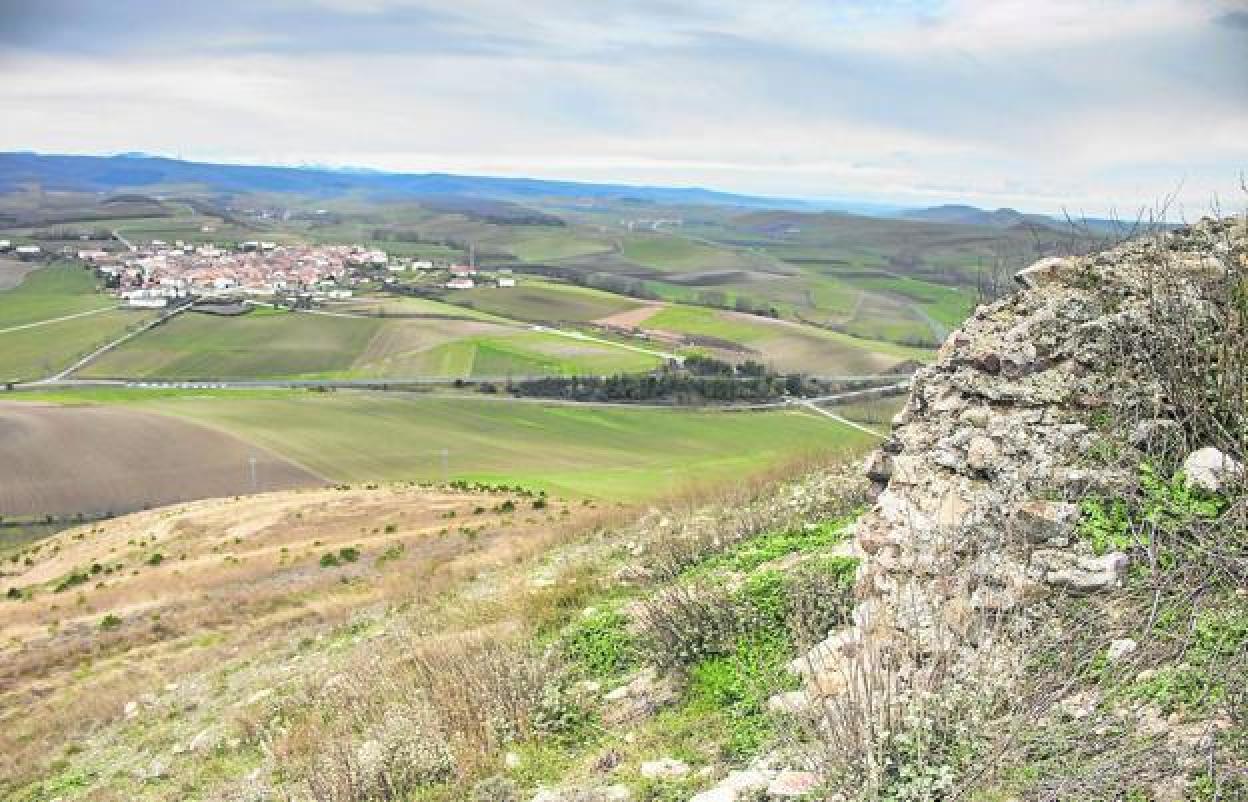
159 273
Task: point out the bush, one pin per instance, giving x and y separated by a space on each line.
70 580
109 622
601 645
739 685
495 789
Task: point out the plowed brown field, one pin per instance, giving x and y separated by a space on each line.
64 461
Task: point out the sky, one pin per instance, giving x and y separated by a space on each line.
1097 107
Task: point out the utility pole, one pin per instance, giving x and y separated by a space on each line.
252 462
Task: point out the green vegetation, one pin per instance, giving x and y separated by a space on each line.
600 644
279 344
537 300
611 452
261 344
785 345
57 291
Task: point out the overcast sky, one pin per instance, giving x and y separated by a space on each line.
1037 104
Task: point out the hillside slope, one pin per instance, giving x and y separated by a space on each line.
1040 597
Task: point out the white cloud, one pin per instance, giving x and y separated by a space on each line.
1033 105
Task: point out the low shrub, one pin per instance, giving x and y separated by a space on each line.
601 645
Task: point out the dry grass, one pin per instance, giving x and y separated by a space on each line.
238 577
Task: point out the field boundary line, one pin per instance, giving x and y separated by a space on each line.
86 360
839 419
61 319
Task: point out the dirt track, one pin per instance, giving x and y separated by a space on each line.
631 318
59 460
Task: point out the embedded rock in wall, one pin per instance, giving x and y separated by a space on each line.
974 514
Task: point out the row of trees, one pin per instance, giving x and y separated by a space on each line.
700 380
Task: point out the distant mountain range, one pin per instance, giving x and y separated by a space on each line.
154 174
142 172
974 216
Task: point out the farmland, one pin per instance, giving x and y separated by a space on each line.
269 343
609 452
781 344
65 461
545 301
53 317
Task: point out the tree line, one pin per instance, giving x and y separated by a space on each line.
699 380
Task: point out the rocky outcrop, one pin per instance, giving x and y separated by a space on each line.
974 520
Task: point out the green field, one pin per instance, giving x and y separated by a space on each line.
531 354
612 452
261 344
538 300
273 344
541 244
55 291
784 345
46 294
678 254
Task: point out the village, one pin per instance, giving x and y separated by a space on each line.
159 274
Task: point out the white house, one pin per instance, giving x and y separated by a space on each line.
147 303
422 265
506 282
5 245
459 284
28 250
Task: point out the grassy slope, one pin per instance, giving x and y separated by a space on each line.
544 300
54 291
48 293
252 346
788 346
614 452
676 254
282 344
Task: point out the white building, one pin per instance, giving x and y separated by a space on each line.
460 284
146 303
506 282
5 245
28 250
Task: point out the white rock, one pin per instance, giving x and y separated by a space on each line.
982 454
736 785
132 709
1120 648
1210 469
204 741
512 760
792 702
664 769
1053 270
793 784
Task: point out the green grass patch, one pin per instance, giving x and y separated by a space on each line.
610 452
